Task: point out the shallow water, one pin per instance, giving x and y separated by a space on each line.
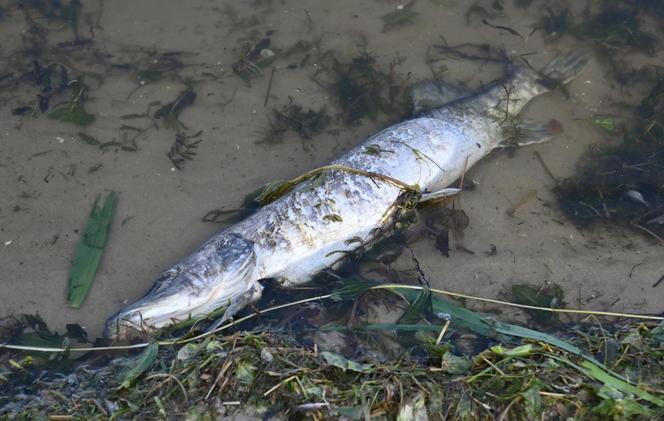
51 177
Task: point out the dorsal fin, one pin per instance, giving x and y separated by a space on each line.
431 94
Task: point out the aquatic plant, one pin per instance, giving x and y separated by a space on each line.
622 183
89 252
271 369
74 112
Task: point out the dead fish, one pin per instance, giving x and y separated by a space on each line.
293 238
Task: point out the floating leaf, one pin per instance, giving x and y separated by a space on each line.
344 363
143 362
89 251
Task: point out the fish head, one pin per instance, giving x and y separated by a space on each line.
221 273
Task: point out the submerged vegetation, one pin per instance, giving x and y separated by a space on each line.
361 89
623 182
293 117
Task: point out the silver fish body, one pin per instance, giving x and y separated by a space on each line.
309 228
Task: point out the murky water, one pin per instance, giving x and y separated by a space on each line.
51 175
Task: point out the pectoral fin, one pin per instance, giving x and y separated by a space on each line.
251 295
438 194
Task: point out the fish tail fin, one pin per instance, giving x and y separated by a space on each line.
527 82
565 68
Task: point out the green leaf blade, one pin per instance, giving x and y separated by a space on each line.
90 250
143 362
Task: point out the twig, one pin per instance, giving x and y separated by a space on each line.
463 175
278 385
495 367
442 332
172 377
656 284
506 303
641 227
504 28
546 168
269 86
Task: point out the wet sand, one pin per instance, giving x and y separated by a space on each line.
47 188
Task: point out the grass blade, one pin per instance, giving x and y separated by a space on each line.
352 288
418 309
143 362
591 370
485 326
89 251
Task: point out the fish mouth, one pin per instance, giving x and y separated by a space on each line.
220 274
130 323
141 319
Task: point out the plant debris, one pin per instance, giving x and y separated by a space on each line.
292 116
184 148
362 90
622 183
550 295
74 112
256 58
278 371
170 112
616 26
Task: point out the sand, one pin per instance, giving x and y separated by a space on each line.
47 187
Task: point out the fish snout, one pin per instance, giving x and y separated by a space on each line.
127 324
